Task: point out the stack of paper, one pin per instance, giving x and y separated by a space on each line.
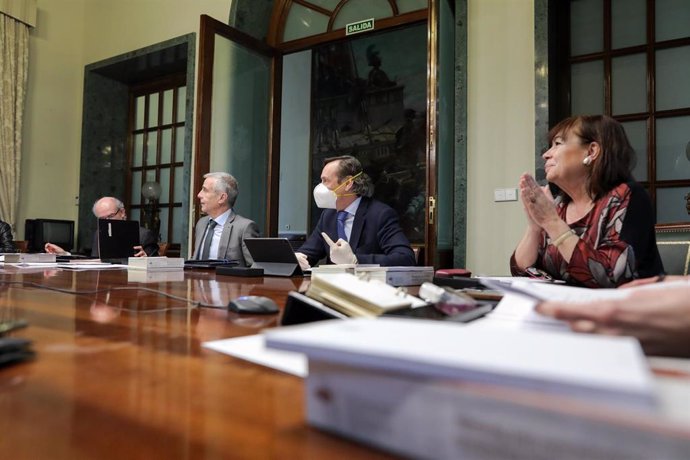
516 311
24 258
156 263
607 368
333 268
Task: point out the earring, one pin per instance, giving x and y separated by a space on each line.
587 160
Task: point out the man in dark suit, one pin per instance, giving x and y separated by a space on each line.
109 207
221 233
353 228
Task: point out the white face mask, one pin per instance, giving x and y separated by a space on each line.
324 197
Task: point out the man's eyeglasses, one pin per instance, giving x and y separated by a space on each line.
112 214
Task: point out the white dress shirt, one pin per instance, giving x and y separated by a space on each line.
217 232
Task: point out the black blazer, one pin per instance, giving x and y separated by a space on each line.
376 236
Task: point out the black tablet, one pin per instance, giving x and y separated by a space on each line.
274 255
117 238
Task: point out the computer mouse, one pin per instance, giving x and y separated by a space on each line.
253 305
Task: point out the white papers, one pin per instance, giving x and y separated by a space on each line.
612 369
251 348
91 266
516 311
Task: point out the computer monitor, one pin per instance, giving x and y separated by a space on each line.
41 231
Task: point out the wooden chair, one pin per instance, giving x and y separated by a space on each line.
163 249
673 242
21 245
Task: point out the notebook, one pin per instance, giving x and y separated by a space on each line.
274 255
116 239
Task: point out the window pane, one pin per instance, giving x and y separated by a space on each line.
136 187
586 27
151 175
629 84
167 107
672 19
672 78
240 125
405 6
164 224
153 109
628 23
326 4
177 190
151 145
166 145
138 150
181 103
357 10
587 88
164 182
670 205
139 117
672 135
295 130
135 214
177 226
179 145
303 22
637 134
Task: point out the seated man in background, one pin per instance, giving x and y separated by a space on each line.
6 240
221 233
353 228
112 208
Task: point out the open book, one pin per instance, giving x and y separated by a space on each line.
355 297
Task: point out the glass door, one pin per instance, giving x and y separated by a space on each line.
235 111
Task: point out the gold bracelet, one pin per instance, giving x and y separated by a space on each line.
558 241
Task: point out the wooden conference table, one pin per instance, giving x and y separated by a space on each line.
122 374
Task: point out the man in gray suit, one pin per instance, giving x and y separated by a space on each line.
221 233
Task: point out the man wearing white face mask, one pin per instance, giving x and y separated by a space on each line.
353 228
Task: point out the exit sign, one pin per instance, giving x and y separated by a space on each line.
359 26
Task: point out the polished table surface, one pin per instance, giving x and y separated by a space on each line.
122 373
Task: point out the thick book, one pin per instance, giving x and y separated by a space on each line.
444 419
356 297
436 390
609 369
156 263
397 276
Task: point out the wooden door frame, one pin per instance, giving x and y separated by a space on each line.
208 29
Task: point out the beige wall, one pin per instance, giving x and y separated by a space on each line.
71 34
500 126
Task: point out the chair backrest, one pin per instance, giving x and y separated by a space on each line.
673 241
163 249
21 245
